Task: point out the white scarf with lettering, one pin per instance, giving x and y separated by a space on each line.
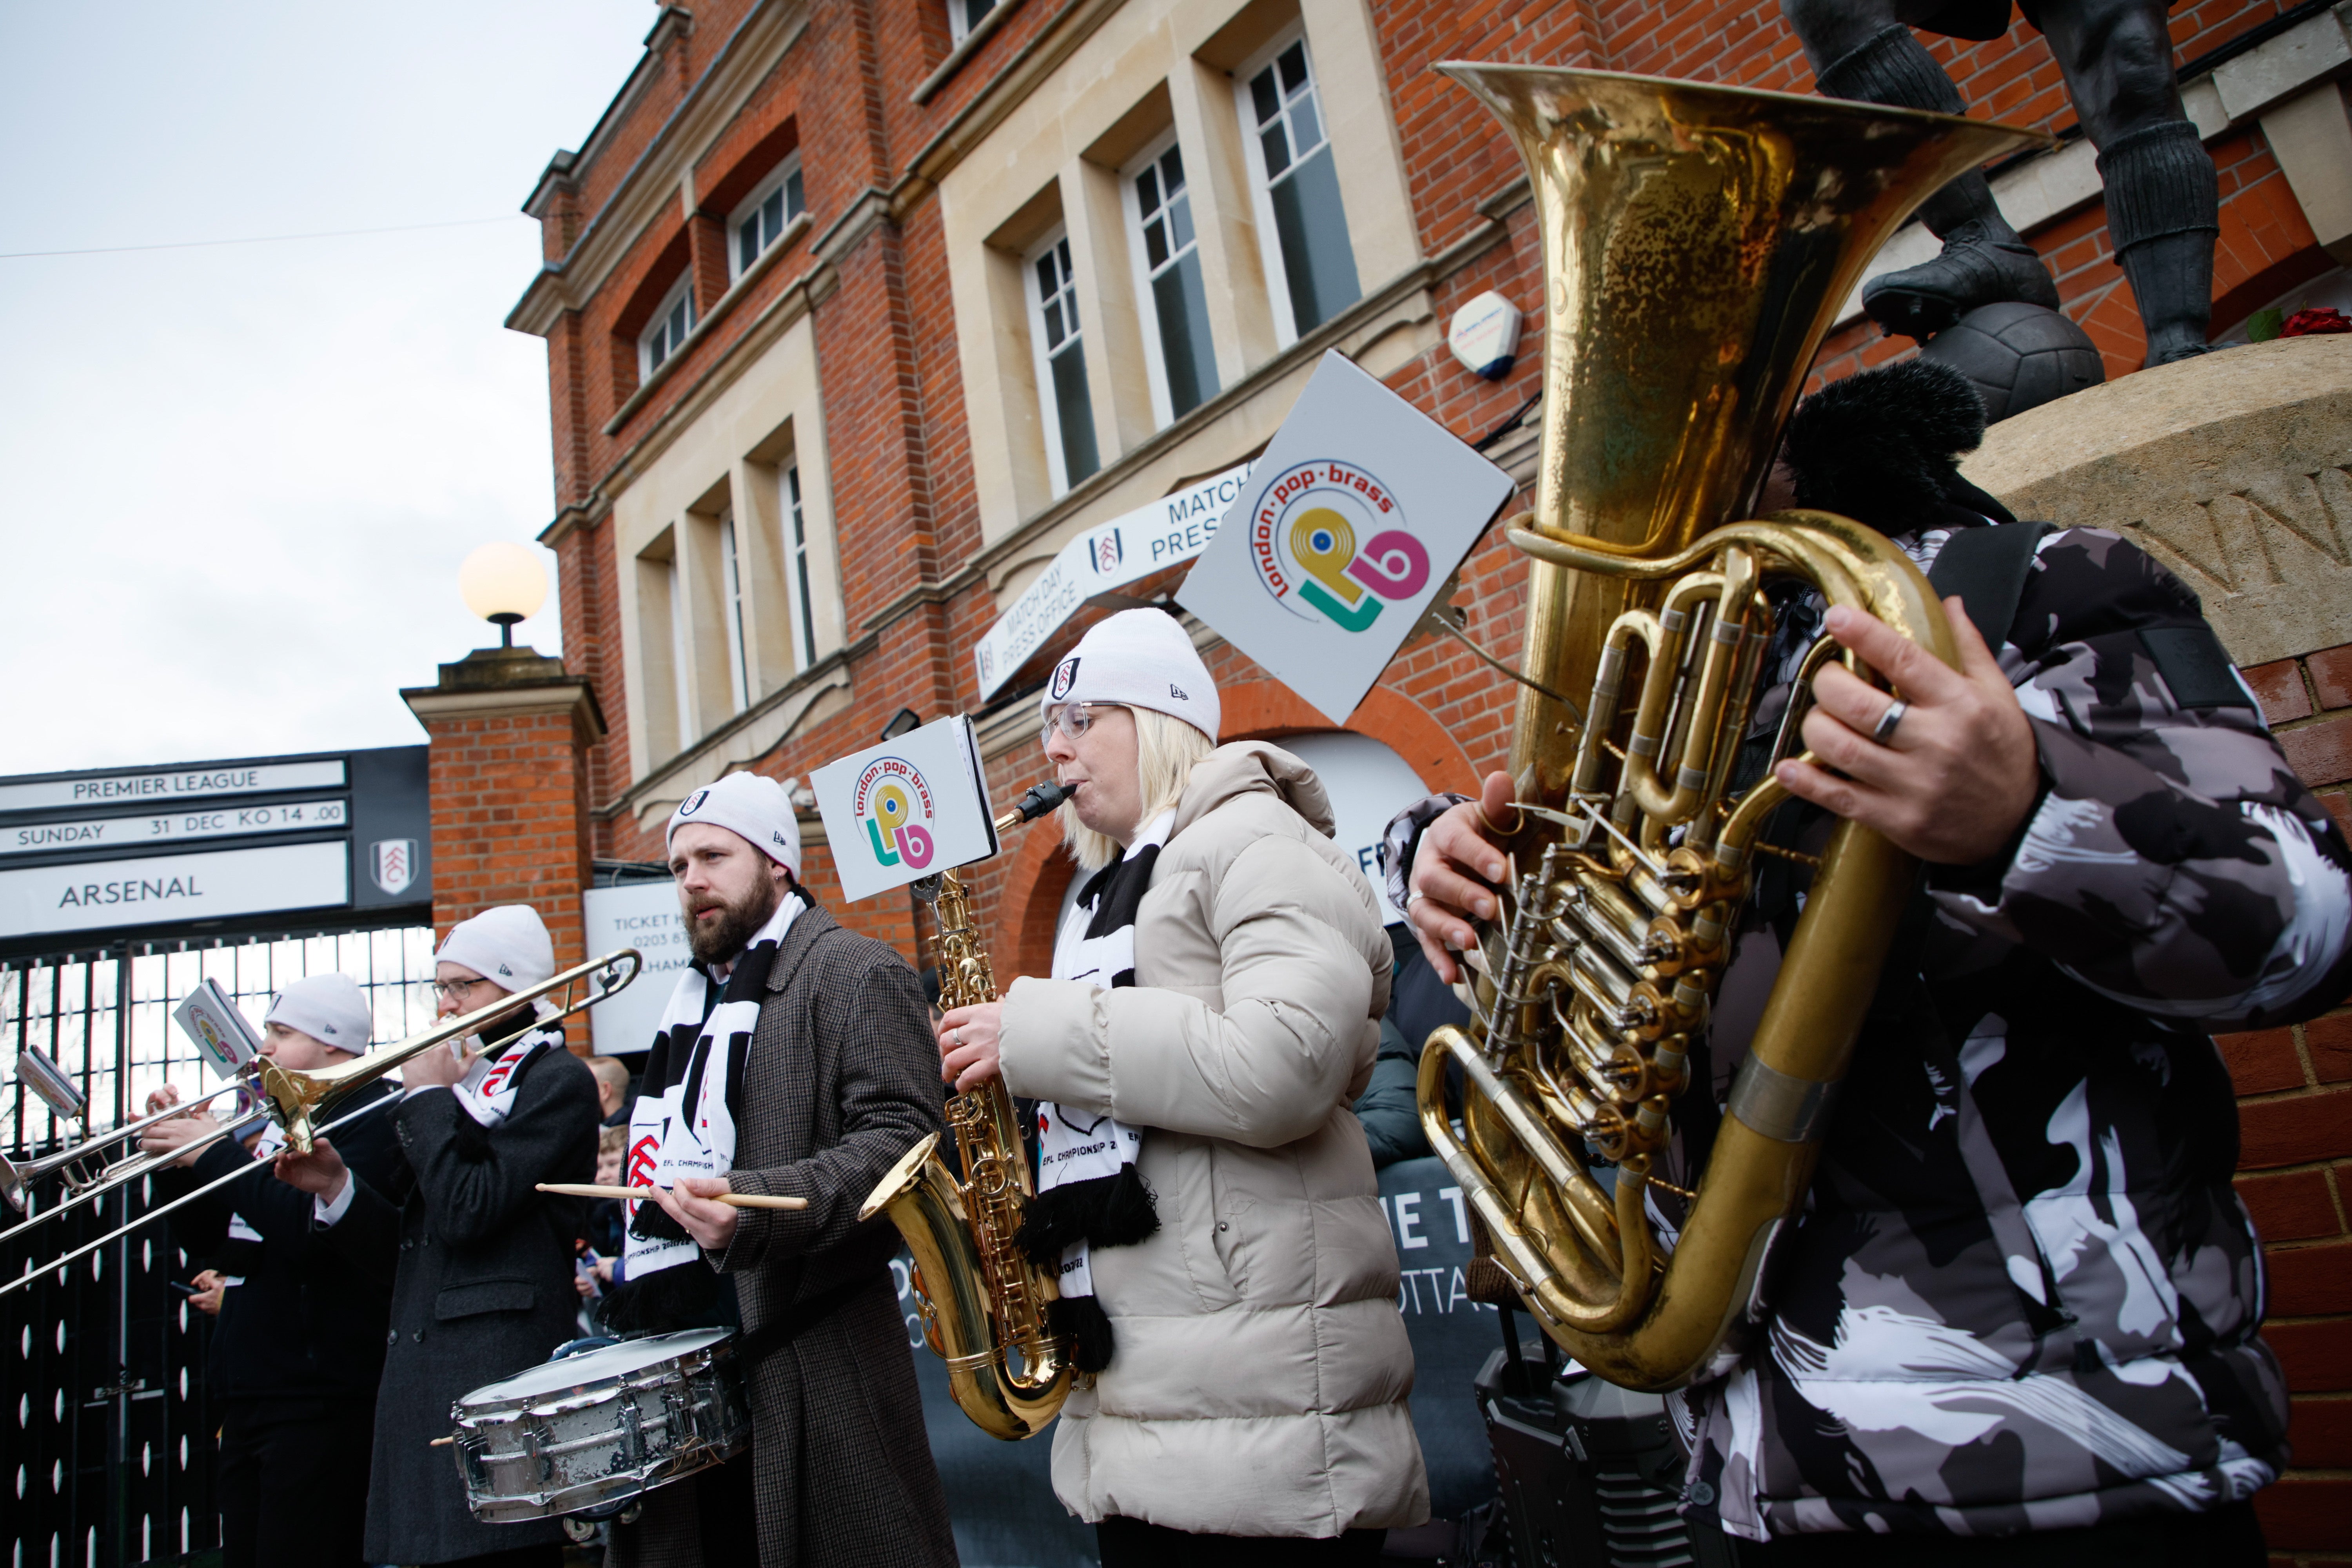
687 1127
1095 947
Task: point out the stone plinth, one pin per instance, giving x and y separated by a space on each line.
2232 469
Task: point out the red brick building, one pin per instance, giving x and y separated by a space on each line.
856 314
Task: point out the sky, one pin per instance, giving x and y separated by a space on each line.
236 481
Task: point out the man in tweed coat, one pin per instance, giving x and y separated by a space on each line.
838 1080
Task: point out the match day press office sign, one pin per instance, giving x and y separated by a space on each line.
252 846
1104 558
1350 523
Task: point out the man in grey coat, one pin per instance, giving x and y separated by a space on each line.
482 1285
796 1060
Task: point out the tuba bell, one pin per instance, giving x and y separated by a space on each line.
1698 241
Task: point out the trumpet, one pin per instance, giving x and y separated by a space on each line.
297 1100
17 1178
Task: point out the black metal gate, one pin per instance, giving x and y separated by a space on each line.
110 1458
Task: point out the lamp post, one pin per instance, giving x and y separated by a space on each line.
503 583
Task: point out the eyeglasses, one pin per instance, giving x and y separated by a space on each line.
444 989
1074 719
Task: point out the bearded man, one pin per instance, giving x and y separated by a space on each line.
795 1060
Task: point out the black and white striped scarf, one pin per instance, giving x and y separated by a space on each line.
685 1118
1089 1193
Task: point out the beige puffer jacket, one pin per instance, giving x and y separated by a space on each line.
1259 1381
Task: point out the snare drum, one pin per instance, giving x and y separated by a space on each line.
601 1426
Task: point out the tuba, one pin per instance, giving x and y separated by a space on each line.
983 1302
1698 243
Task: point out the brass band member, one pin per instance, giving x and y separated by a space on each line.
480 1265
1215 1010
796 1060
2016 1320
294 1362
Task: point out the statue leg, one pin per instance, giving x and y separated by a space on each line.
1863 49
2163 197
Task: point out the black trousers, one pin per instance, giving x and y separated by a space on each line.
293 1477
1131 1543
2224 1537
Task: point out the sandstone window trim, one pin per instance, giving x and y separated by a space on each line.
967 17
761 220
1172 296
1304 238
1057 345
733 590
799 587
673 323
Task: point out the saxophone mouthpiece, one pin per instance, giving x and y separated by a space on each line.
1041 799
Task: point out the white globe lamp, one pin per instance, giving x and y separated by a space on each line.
503 583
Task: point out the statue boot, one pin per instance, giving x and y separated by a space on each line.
1984 262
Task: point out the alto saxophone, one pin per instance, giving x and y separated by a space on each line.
983 1302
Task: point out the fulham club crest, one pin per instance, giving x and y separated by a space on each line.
394 864
1066 675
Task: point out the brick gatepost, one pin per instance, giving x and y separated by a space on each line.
508 773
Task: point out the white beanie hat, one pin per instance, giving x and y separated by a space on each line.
508 946
329 1008
1138 659
753 806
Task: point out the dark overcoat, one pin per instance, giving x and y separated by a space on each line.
481 1290
841 1080
308 1323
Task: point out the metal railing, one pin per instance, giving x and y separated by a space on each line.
114 1451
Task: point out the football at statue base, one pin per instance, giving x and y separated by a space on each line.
2019 356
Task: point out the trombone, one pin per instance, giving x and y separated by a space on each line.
297 1100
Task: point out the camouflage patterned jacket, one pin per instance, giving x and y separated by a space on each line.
2022 1294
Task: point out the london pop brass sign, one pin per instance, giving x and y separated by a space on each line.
1350 522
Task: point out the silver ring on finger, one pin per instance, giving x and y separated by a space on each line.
957 1036
1885 732
1413 896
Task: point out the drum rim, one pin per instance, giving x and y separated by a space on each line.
491 1396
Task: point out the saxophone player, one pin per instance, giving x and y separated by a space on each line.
795 1059
1225 1269
2017 1318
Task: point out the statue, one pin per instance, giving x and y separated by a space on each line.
2163 198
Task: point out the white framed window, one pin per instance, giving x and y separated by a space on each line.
760 221
963 16
796 568
730 568
671 323
1302 226
1060 348
1168 282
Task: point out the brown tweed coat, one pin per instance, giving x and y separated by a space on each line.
841 1079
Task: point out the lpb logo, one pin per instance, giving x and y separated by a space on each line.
896 805
1304 544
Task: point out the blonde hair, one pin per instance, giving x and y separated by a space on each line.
1167 750
612 1140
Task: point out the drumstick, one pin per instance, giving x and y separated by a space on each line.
732 1200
